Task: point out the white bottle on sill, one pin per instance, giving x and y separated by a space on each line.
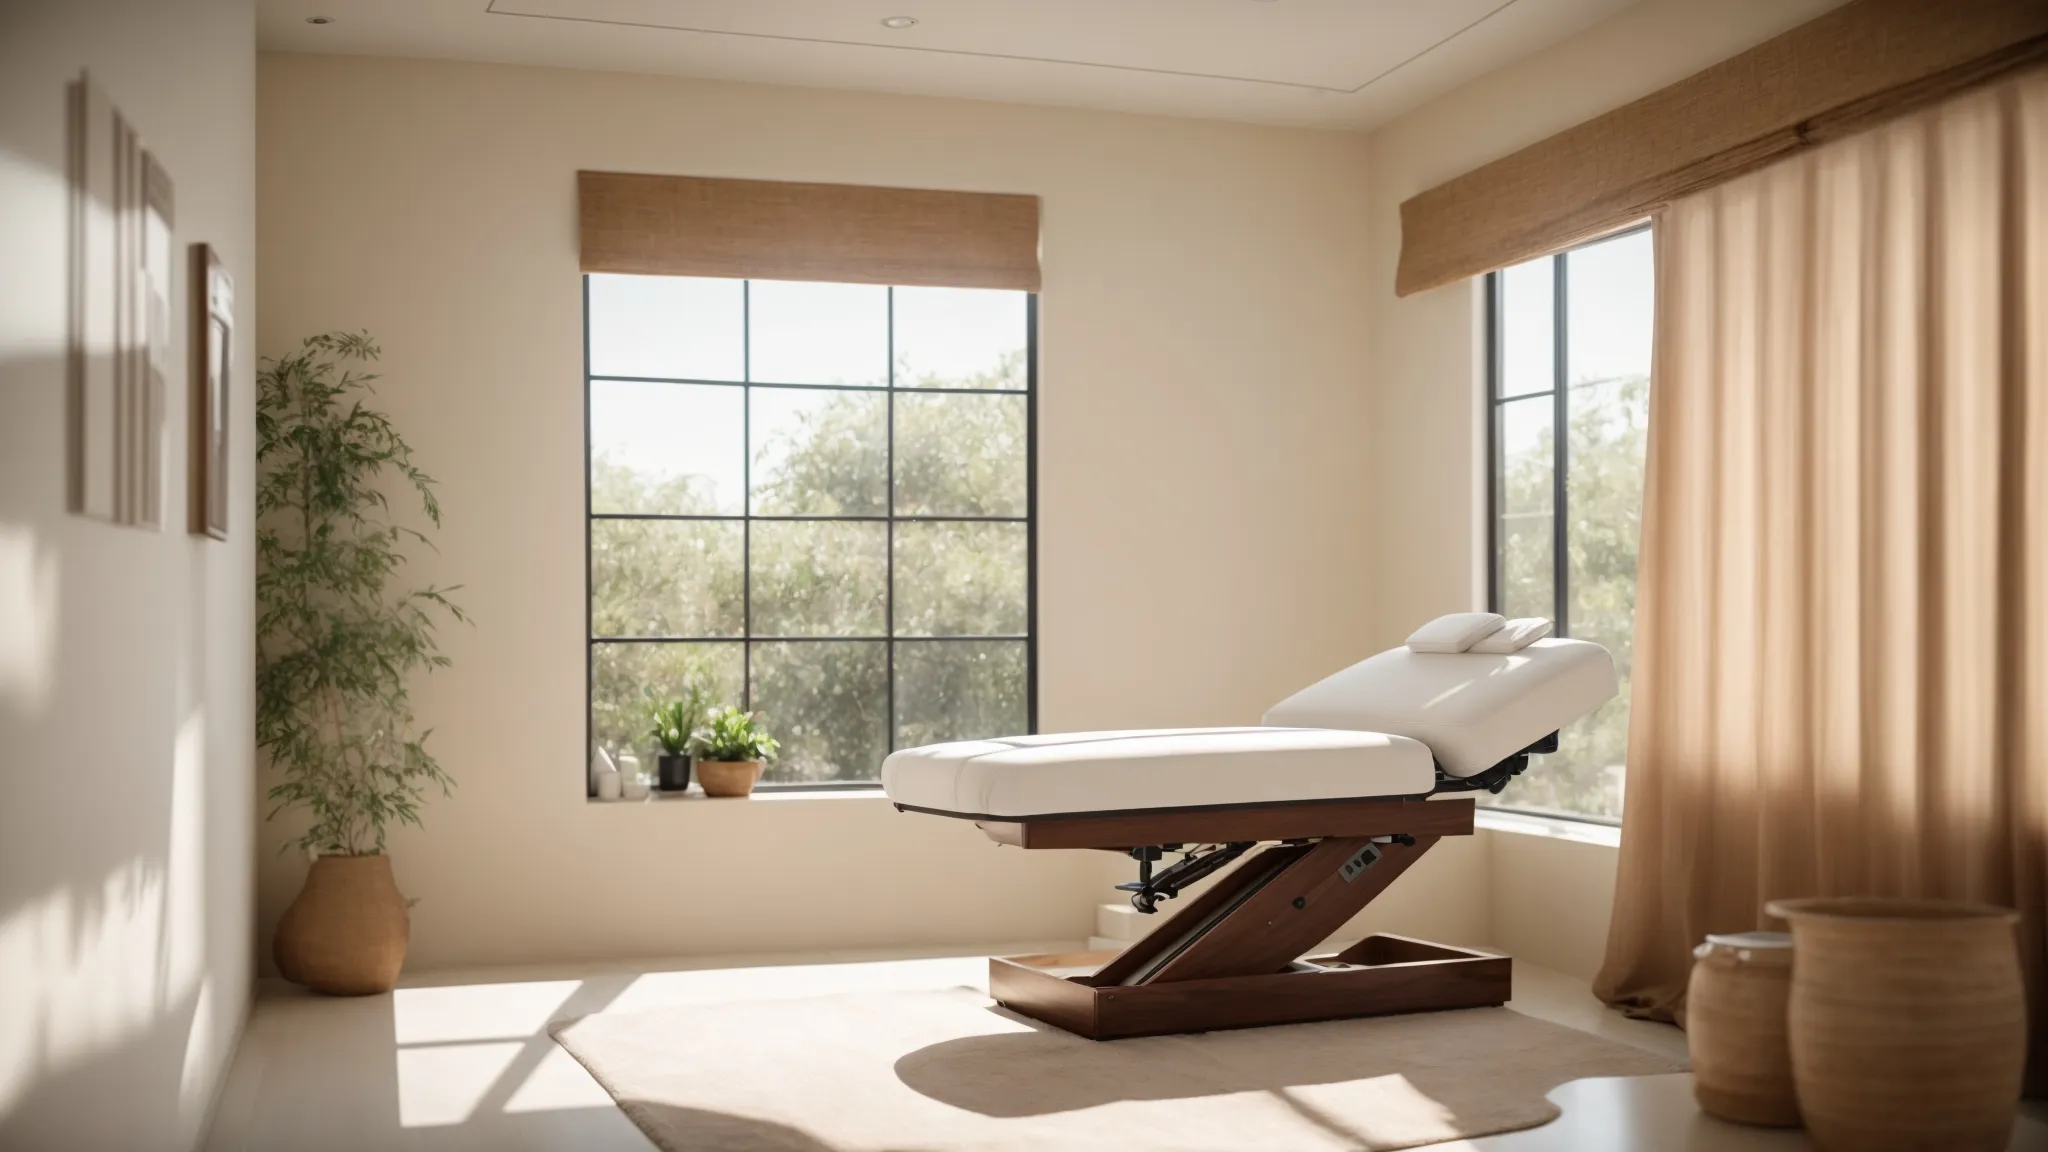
604 777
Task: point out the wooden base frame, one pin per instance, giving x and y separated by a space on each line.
1381 975
1231 957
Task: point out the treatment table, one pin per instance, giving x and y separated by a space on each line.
1347 783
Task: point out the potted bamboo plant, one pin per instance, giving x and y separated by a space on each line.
336 646
675 722
732 747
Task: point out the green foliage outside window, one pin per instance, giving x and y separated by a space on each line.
1604 497
956 455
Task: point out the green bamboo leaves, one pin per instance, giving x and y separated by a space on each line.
336 643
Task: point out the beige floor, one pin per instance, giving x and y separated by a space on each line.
462 1060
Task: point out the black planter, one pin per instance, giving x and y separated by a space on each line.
675 772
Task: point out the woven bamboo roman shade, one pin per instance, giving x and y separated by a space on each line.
773 230
1850 69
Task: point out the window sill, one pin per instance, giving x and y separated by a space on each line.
695 794
1552 827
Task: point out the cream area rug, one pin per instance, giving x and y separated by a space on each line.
947 1071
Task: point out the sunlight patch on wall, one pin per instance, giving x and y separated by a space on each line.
31 314
87 973
185 880
28 621
82 974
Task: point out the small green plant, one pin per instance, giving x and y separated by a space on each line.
675 721
730 734
335 644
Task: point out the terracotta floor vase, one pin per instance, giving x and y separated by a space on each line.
1907 1023
346 933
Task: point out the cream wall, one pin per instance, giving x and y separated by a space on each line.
126 657
1203 495
1549 896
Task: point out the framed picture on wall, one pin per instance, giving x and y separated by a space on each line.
213 332
121 218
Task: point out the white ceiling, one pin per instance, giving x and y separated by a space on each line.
1332 63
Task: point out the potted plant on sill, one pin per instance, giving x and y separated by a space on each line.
732 747
335 648
675 722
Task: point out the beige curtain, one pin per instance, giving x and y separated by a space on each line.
1841 643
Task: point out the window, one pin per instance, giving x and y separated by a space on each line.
813 500
1569 339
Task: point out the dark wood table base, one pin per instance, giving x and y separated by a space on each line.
1230 955
1381 975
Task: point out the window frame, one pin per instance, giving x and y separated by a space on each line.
1492 403
747 639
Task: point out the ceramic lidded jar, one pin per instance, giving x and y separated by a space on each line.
1735 1028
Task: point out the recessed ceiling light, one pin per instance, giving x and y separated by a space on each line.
319 19
899 22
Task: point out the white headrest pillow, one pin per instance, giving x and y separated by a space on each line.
1456 632
1513 636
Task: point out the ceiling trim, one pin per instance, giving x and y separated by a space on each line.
491 9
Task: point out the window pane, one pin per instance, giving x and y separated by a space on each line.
819 453
1604 493
1608 319
1528 328
826 702
1526 491
625 678
1609 298
960 455
675 449
960 578
1604 482
960 690
666 578
801 333
820 577
959 338
674 326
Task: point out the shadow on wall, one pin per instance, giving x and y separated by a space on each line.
121 811
108 982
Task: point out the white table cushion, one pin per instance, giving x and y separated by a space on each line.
1455 632
1513 636
1472 709
1078 772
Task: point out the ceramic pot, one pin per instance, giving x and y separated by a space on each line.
728 777
1735 1028
1907 1023
633 787
346 933
609 785
675 772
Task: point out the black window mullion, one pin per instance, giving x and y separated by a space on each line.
747 496
803 386
948 638
889 566
1496 475
1031 512
589 589
1560 440
809 516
